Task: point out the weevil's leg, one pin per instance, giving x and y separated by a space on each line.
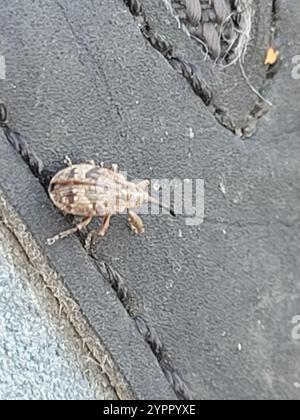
83 224
143 185
68 161
105 225
135 222
115 168
101 232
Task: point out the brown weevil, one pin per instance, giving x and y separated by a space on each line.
89 190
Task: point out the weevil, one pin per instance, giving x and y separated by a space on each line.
89 190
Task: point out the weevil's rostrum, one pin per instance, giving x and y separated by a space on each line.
90 191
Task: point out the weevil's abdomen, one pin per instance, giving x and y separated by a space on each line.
72 200
75 192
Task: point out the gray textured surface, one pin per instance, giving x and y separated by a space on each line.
221 296
40 355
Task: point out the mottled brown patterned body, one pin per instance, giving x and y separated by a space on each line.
86 189
89 191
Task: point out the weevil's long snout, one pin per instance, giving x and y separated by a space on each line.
162 206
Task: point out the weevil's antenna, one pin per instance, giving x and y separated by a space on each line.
162 206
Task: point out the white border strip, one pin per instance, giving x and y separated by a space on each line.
2 68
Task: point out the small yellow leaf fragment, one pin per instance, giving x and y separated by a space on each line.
271 56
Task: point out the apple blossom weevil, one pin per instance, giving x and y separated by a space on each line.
89 190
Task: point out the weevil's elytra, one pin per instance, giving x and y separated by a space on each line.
89 191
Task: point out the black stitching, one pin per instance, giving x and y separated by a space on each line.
190 72
150 336
20 144
166 49
3 115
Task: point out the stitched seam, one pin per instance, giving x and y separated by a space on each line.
189 70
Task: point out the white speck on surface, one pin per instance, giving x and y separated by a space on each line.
191 133
297 385
170 284
224 231
240 348
222 186
224 334
180 233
